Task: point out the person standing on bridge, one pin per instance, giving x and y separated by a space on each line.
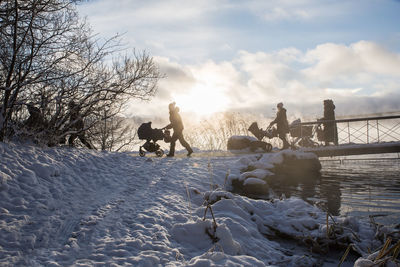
330 128
177 125
282 125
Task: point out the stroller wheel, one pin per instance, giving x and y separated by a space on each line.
141 152
159 153
268 147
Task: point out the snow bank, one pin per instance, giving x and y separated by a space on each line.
71 207
44 193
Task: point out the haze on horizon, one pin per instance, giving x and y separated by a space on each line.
246 56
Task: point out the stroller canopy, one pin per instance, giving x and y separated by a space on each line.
145 132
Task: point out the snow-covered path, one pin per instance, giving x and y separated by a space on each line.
74 207
130 224
81 207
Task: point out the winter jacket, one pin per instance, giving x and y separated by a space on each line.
76 119
281 122
176 121
330 129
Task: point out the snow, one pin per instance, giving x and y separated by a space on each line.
257 173
241 137
75 207
354 146
254 181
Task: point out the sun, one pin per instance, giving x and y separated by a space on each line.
203 100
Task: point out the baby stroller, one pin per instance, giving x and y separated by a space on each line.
270 132
145 132
260 134
302 135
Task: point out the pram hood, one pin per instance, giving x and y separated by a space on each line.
145 132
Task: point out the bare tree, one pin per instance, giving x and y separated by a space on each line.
114 134
49 57
35 36
101 91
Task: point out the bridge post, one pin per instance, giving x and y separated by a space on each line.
367 131
377 129
348 130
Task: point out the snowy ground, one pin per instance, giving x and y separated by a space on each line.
74 207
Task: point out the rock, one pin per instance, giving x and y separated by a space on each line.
239 142
255 186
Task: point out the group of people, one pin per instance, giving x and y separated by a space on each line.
177 125
76 125
282 126
330 133
36 123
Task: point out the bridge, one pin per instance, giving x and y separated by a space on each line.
355 136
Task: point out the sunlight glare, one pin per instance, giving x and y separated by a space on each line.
203 100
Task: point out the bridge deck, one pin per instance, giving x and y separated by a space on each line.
355 149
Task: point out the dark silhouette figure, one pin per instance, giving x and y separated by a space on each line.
77 125
36 121
282 125
177 125
330 129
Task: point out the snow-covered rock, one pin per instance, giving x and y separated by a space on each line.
285 164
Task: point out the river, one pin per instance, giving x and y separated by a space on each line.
360 186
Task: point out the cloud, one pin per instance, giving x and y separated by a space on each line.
355 62
139 12
362 77
295 10
177 29
195 31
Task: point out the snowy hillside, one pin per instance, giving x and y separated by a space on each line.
63 207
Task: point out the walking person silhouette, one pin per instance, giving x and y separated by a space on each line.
177 125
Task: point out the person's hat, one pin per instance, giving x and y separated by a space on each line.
279 105
171 105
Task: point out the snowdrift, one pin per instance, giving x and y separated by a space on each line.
70 207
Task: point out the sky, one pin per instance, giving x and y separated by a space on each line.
246 56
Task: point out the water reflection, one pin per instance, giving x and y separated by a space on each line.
330 193
350 187
312 188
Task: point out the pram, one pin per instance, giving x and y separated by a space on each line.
145 132
270 132
302 135
260 134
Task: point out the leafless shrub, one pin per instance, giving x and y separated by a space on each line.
213 133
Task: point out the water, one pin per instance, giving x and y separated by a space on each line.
365 187
360 187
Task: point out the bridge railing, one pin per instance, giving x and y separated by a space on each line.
358 130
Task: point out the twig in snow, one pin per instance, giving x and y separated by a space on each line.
189 202
345 255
